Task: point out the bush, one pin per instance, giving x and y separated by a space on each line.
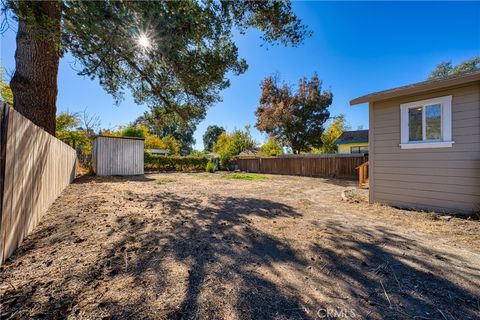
155 162
211 166
230 145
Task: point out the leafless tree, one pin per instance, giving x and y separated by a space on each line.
90 122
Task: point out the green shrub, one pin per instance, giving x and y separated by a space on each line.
228 146
155 162
211 167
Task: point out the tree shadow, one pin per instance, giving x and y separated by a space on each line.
215 247
390 276
192 258
111 179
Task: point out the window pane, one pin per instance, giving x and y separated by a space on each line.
415 124
364 150
433 119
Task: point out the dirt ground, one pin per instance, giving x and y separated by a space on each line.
199 246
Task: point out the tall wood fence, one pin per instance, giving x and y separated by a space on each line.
325 166
34 169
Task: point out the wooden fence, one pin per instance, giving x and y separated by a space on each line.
34 169
325 166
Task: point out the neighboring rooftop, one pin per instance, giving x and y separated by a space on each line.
418 87
353 136
249 153
159 151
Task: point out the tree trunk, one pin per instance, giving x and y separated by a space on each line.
34 83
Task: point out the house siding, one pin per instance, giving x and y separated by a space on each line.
444 179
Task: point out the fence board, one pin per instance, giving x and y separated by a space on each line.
37 167
325 166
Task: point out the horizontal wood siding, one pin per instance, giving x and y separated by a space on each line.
311 166
445 179
118 156
38 167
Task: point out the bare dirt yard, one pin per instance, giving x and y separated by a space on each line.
201 246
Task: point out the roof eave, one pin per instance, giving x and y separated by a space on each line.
117 137
359 141
416 88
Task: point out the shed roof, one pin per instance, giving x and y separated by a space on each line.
418 87
353 136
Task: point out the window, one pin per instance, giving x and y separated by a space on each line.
363 149
427 123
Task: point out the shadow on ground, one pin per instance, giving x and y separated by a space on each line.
194 259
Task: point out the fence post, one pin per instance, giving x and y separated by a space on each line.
303 166
4 112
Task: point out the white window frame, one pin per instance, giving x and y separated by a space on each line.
446 129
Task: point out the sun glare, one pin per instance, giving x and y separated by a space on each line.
144 42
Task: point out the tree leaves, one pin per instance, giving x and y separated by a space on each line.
231 145
447 69
294 119
192 48
211 135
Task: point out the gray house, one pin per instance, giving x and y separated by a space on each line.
424 144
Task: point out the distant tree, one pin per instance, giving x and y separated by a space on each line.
134 131
154 142
110 133
197 153
174 55
294 119
272 147
67 121
172 145
78 130
224 149
242 140
5 92
334 131
447 69
164 123
89 122
211 136
231 145
67 130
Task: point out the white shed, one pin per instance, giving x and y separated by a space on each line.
121 156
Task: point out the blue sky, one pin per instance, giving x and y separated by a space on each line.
356 48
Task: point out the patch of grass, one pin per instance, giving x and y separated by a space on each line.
246 176
164 180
